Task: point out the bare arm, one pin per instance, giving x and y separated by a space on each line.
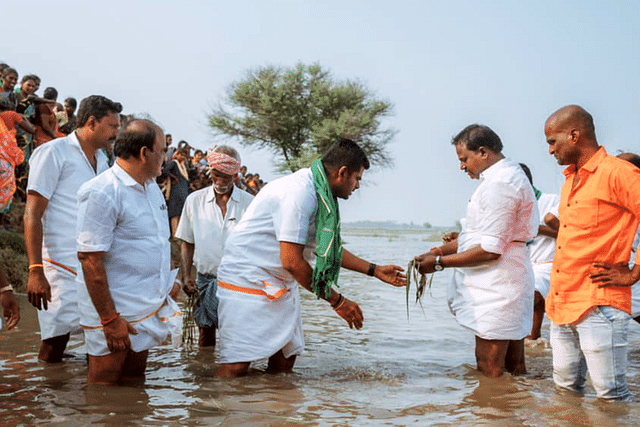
469 258
292 259
186 254
552 224
387 273
26 125
38 288
117 331
48 124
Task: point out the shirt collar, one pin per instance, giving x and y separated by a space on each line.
126 179
73 138
211 194
591 165
493 169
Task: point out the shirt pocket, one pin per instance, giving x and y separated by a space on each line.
582 213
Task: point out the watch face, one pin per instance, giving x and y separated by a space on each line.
438 267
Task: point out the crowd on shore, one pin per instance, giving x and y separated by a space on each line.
27 121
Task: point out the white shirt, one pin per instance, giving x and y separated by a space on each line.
57 169
283 211
202 225
543 247
129 222
635 289
495 299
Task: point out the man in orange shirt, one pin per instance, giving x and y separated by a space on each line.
589 302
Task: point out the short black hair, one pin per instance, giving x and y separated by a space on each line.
50 93
137 133
97 106
32 77
72 102
345 152
8 70
475 136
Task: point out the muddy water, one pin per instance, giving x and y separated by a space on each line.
393 372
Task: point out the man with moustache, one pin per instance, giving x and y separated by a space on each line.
57 170
207 218
589 302
123 246
268 254
493 284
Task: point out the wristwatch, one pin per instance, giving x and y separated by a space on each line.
438 265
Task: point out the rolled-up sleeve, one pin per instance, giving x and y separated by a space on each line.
499 205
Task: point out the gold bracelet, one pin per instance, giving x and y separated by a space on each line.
32 266
6 288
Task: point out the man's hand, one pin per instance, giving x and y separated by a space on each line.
175 291
605 274
350 311
38 289
450 236
189 286
426 263
117 335
10 309
391 274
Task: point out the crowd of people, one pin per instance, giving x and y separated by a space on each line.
104 202
28 121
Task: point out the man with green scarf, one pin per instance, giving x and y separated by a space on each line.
292 221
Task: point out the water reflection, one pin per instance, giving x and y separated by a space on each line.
395 371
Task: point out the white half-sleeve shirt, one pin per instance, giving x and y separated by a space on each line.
202 225
57 169
129 223
495 300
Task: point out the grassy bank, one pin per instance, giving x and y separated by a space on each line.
13 254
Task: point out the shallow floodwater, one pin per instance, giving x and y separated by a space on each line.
393 372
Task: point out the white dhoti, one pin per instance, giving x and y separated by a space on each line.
253 327
542 275
153 329
61 316
495 300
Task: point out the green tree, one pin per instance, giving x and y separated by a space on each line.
297 113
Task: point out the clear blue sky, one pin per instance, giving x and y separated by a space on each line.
443 64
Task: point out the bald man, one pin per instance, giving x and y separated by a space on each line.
589 301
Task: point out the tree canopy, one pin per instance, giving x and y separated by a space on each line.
297 113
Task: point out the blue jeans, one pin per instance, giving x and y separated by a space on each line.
598 343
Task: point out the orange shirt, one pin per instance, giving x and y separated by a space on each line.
598 220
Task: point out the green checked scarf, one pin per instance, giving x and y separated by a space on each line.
328 242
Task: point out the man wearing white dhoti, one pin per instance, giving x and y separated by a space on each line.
57 170
493 296
207 218
123 246
270 252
